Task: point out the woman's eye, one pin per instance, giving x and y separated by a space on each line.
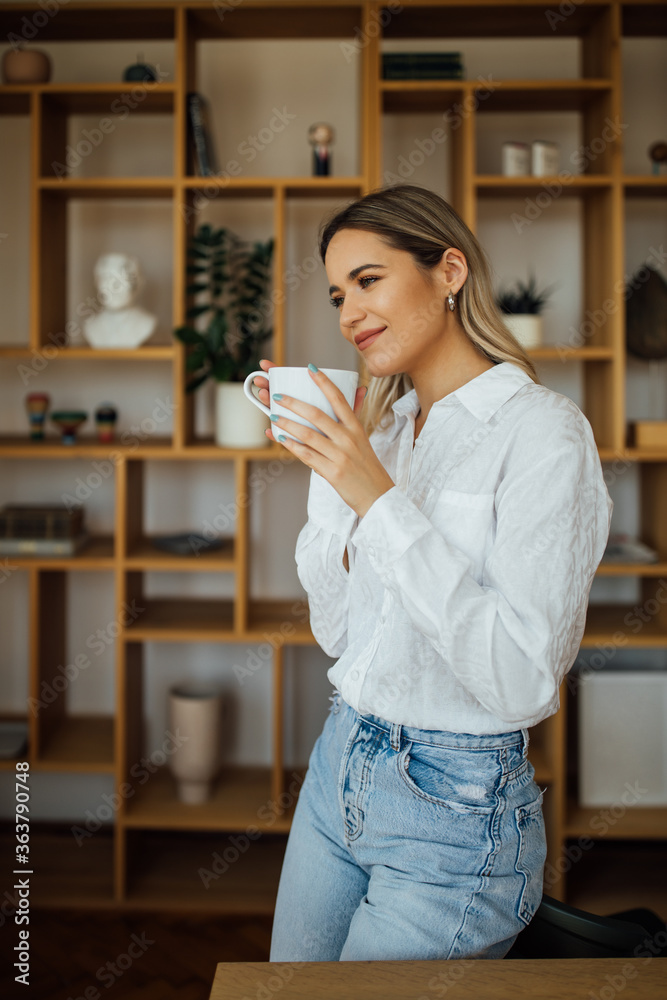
336 302
367 280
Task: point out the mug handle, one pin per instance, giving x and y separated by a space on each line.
247 388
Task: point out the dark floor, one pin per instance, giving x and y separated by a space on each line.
143 956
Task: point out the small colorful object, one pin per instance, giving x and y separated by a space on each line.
105 421
69 421
37 404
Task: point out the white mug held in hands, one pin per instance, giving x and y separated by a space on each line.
296 382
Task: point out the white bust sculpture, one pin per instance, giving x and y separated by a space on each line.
119 323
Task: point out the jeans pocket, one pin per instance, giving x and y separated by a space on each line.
530 857
461 780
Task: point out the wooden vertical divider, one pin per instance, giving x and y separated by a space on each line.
279 233
184 67
48 634
370 118
277 714
467 159
241 585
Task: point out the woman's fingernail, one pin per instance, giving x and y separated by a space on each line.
277 395
312 368
281 438
274 417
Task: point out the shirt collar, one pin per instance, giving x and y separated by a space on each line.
482 396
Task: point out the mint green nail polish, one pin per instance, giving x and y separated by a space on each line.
312 368
277 395
281 438
274 417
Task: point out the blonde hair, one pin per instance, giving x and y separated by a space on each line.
423 224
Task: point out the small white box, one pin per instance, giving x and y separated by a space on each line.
545 158
623 738
516 159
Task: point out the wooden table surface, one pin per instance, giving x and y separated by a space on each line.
550 979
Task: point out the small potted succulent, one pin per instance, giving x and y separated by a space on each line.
522 308
228 282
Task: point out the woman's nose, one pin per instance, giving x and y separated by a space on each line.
351 311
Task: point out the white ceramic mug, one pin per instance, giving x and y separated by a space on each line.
297 382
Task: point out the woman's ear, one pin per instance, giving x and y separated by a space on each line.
453 270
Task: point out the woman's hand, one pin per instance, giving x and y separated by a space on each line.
345 457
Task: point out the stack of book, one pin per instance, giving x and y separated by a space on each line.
422 66
201 135
41 530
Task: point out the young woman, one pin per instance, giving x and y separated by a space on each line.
456 516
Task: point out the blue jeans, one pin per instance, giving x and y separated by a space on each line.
409 844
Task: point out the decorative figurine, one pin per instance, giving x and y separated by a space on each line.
20 65
69 421
658 154
105 421
119 324
320 136
37 404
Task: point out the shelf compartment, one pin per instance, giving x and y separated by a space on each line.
267 616
639 878
241 799
569 184
487 20
68 874
603 620
418 96
602 822
164 872
542 95
78 743
97 553
143 555
15 100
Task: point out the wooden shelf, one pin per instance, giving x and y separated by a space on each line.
603 620
603 822
85 447
241 799
633 569
86 98
563 352
269 187
158 353
645 187
79 743
97 553
179 620
566 183
145 555
487 19
165 873
135 22
410 96
107 187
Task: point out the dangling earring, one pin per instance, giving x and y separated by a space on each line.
451 302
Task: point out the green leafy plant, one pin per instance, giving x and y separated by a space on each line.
228 283
524 298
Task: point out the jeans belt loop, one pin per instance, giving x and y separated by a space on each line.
395 736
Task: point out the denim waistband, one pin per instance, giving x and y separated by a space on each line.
440 737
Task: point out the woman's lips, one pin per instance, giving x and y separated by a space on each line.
366 338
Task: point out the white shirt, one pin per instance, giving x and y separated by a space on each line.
466 598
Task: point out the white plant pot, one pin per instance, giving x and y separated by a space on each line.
527 328
195 715
238 425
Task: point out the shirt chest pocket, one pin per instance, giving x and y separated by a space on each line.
465 520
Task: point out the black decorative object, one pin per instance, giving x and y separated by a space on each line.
140 72
646 315
201 137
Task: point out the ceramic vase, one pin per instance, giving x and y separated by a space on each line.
527 328
195 712
238 425
26 66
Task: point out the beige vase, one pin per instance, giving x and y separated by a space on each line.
26 66
195 712
238 425
527 329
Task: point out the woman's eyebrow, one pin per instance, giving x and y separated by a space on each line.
352 275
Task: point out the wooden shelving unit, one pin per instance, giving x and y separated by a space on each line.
152 853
